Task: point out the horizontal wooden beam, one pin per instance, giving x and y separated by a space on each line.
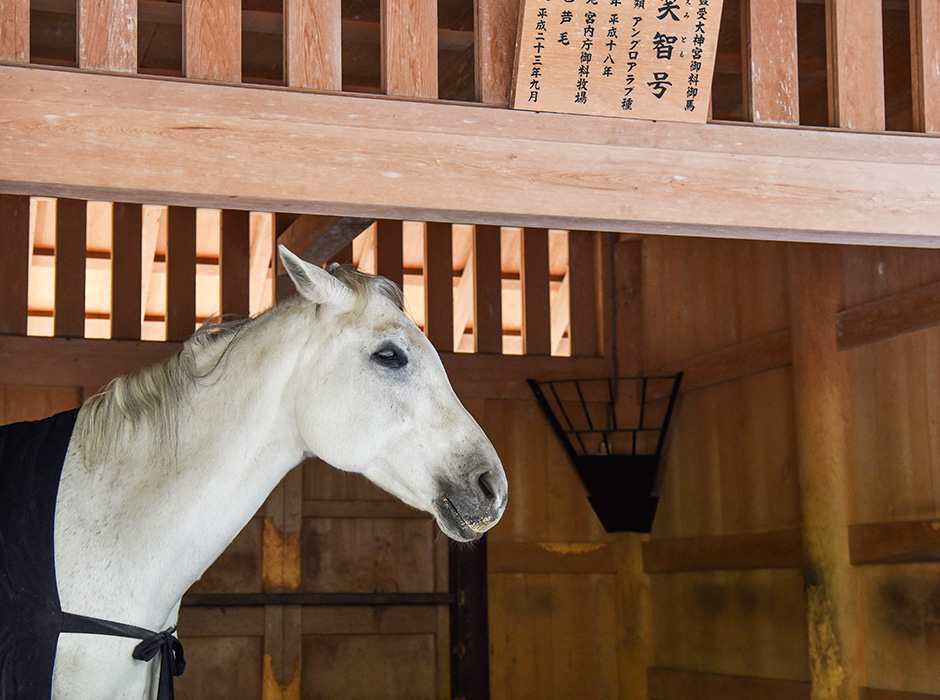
33 361
762 550
881 694
233 600
148 139
550 557
672 684
904 312
361 509
895 543
753 356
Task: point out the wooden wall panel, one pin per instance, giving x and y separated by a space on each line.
107 35
14 263
21 403
220 667
14 31
313 44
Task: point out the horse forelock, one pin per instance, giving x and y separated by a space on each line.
363 284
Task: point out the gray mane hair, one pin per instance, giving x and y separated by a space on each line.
153 395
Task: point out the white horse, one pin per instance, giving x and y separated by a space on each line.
166 466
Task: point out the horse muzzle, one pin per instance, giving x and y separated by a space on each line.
465 510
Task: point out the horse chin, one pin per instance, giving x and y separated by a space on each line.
456 525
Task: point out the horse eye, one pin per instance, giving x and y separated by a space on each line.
391 357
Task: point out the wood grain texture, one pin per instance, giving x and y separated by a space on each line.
905 312
856 64
761 550
771 81
212 41
925 65
389 251
107 35
126 267
671 684
74 132
235 263
894 542
313 44
14 31
70 232
181 273
496 22
439 285
583 291
536 309
487 290
409 48
14 263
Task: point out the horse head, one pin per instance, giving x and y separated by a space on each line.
371 396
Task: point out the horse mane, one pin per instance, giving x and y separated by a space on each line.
153 395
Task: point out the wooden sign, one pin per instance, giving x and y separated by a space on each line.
645 59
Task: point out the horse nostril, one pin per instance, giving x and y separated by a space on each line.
486 486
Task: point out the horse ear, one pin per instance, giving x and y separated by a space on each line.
313 282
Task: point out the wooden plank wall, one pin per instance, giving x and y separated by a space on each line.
750 536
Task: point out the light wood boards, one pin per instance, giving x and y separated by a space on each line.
771 81
14 31
455 162
107 35
409 47
313 44
212 42
856 66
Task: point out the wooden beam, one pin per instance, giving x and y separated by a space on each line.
536 308
235 263
672 684
181 273
895 542
582 289
904 312
925 64
14 263
771 81
124 138
126 264
107 35
439 285
70 234
318 238
881 694
313 44
14 31
760 550
821 399
389 250
487 290
551 557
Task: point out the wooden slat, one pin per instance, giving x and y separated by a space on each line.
107 35
896 542
536 293
856 64
761 354
672 684
14 263
181 273
318 238
14 31
409 48
907 311
73 131
583 272
212 40
759 550
235 262
70 225
487 290
389 251
925 64
126 266
771 81
628 306
550 557
313 44
821 401
496 23
361 509
881 694
439 285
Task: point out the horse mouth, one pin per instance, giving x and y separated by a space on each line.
459 527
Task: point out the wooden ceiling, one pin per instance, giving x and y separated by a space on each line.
160 40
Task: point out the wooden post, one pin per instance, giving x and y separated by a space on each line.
389 253
313 44
771 93
70 232
821 391
856 64
235 263
487 290
439 285
409 48
14 31
582 290
14 263
496 25
107 35
536 293
212 40
126 267
925 64
181 273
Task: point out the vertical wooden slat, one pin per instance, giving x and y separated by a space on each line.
824 464
925 64
856 64
235 263
771 84
313 44
14 263
126 267
180 273
14 31
107 35
496 22
583 274
389 254
70 225
212 40
409 48
487 290
628 306
536 293
439 285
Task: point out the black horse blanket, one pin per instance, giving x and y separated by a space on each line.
31 618
31 457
